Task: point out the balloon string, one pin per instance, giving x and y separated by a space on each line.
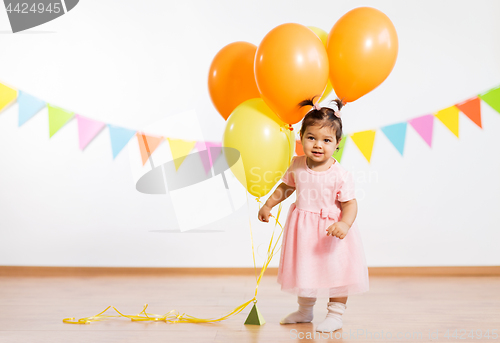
282 129
175 317
289 144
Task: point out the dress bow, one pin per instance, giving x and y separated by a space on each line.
324 213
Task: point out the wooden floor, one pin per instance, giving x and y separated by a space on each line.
408 307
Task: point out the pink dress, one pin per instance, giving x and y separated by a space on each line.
313 264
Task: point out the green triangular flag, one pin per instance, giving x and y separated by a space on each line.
492 98
254 317
338 154
57 118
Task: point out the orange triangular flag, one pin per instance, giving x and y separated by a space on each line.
364 141
299 149
449 117
472 109
147 145
180 149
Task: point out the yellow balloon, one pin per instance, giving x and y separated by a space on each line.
265 143
324 39
320 33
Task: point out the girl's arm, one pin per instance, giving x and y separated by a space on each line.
349 211
282 192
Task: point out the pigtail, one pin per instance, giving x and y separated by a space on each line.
339 103
307 102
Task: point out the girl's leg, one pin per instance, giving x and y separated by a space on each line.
342 300
304 314
333 320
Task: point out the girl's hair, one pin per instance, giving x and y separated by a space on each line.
324 116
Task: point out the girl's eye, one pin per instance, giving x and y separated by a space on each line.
327 140
310 137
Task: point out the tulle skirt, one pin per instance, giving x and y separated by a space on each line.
313 264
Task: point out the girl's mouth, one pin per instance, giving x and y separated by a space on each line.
317 153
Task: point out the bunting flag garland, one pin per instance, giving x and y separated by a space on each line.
424 126
87 130
396 134
364 141
449 117
492 98
147 145
472 109
7 96
58 117
119 138
180 149
28 106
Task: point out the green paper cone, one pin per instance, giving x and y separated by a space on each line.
254 317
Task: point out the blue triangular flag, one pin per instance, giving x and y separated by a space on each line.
119 138
396 134
28 106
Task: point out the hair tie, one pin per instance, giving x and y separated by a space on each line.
317 107
337 114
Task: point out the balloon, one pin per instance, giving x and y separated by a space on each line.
264 142
362 49
231 78
291 65
324 39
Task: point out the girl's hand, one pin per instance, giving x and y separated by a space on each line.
264 213
338 229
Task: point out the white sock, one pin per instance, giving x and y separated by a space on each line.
333 319
304 314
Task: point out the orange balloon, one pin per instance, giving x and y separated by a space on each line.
362 50
291 65
231 78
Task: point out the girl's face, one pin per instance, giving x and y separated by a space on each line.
319 144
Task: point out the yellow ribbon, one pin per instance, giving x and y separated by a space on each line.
174 316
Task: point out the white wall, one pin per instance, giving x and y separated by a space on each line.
135 64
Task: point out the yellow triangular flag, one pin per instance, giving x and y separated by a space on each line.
449 117
7 95
180 149
364 141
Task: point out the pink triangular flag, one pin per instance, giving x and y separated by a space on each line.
87 130
424 125
207 159
213 152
